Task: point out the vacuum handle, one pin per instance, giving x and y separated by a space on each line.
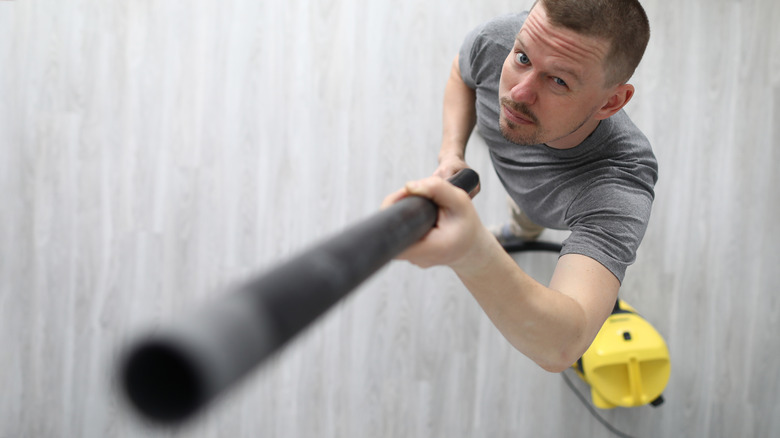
466 179
173 372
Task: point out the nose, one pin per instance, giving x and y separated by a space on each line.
524 91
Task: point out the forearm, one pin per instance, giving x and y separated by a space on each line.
459 115
547 326
552 325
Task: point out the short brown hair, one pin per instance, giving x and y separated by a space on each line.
621 22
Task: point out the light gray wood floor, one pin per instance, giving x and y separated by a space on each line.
154 152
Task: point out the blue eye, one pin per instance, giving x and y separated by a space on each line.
522 58
560 81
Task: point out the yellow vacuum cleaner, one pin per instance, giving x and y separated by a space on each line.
628 362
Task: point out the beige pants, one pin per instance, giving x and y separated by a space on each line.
520 224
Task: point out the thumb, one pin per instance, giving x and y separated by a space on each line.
441 192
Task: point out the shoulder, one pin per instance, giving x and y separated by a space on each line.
633 150
500 31
620 173
488 44
502 28
609 216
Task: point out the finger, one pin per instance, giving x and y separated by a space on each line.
394 197
445 172
476 190
449 166
438 190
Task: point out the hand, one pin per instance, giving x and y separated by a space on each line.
458 236
450 165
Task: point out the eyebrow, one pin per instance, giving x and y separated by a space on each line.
555 67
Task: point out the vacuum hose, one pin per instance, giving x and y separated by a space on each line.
173 372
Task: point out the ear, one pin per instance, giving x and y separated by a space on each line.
621 94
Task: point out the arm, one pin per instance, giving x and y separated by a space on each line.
551 325
458 120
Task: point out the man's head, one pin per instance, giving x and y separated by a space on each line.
622 23
568 69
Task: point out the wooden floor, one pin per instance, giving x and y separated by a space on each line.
153 153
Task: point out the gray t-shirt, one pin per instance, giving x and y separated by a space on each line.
601 190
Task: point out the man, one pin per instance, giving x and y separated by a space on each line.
546 90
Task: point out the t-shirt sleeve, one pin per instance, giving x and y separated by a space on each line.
466 55
610 224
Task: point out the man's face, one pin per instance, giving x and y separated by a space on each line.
552 85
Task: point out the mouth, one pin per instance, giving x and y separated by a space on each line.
516 115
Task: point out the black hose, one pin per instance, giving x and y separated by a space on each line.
173 372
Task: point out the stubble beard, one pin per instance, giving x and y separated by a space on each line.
511 131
